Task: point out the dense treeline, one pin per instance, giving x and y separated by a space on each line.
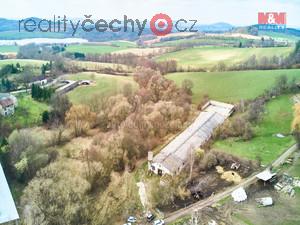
10 69
40 93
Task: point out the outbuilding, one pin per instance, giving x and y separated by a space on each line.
175 156
8 211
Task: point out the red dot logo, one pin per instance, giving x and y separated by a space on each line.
161 24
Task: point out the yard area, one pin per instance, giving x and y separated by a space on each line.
102 84
208 56
265 145
28 113
231 86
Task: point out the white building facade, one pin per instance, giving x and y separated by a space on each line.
8 103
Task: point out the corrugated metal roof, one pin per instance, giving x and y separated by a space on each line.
176 153
265 175
8 211
6 102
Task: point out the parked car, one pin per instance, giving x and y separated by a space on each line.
150 217
131 219
159 222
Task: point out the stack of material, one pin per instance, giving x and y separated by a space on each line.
239 195
267 201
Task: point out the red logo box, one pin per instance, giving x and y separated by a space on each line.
278 18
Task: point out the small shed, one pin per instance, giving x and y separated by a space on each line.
266 175
266 201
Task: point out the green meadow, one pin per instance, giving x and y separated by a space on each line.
28 113
231 86
208 56
101 48
103 84
265 145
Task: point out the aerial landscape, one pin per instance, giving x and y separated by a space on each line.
189 116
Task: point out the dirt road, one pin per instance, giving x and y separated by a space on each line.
214 199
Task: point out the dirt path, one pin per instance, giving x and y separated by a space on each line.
214 199
143 194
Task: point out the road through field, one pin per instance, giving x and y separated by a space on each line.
215 198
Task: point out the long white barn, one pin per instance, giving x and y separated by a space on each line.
8 211
173 158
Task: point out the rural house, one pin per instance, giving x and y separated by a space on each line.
7 104
174 157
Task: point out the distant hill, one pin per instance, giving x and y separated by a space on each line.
216 27
9 30
8 25
253 30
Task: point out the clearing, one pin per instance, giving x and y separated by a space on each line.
28 112
231 86
207 57
101 48
102 84
265 145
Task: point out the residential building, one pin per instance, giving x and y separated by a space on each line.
8 103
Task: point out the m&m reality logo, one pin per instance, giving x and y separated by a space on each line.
272 20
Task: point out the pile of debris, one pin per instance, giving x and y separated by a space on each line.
266 201
287 184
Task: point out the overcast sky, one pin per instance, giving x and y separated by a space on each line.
236 12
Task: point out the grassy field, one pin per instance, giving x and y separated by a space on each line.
265 145
202 41
28 112
105 47
143 51
97 66
231 86
279 36
207 57
8 48
103 84
23 62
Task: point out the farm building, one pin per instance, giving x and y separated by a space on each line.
173 158
7 104
39 80
8 211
